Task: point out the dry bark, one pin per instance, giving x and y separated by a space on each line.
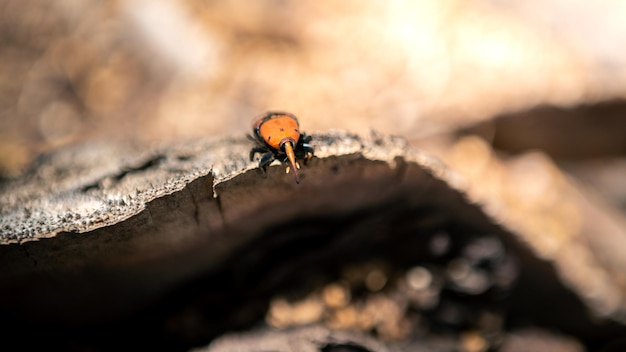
150 236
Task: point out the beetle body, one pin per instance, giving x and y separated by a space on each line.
278 137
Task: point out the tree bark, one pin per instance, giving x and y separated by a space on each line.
109 232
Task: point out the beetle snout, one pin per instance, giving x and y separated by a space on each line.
288 146
284 141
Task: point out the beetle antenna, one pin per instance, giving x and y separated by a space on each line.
292 159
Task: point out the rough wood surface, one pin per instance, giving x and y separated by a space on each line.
145 238
158 215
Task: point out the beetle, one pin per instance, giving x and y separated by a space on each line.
278 137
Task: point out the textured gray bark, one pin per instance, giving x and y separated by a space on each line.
123 218
98 232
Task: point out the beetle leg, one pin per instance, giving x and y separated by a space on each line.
309 152
255 150
266 159
307 148
305 138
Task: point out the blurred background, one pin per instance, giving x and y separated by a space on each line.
466 81
76 70
526 100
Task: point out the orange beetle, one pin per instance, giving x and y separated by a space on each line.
278 137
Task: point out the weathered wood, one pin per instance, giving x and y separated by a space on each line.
109 214
107 232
